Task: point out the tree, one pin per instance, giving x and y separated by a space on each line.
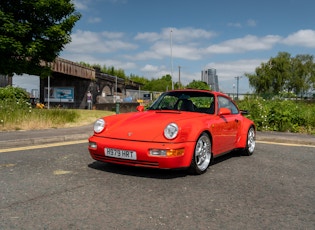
138 79
160 84
284 73
270 77
303 73
32 34
198 85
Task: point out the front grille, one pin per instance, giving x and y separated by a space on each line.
125 161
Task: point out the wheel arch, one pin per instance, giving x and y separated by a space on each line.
243 135
209 134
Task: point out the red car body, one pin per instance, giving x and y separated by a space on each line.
167 135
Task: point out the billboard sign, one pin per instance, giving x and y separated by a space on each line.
59 94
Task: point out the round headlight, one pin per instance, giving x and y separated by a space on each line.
99 125
171 131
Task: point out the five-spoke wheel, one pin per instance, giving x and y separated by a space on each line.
251 142
202 155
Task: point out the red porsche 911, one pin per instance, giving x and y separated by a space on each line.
181 129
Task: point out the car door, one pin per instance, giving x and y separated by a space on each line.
228 124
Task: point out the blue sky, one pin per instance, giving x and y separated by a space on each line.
232 36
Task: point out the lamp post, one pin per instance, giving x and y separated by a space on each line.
171 46
233 91
179 77
48 92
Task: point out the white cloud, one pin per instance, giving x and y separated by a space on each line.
81 4
149 36
187 51
150 68
92 42
176 35
304 38
247 43
84 5
227 70
145 55
112 35
93 59
184 35
94 20
184 43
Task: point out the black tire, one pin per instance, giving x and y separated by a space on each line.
250 142
202 155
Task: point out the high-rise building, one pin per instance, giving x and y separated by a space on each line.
211 78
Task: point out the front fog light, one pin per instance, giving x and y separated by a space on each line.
157 152
167 152
93 145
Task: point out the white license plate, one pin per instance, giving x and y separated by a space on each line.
120 153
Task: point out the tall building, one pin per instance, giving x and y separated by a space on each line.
211 78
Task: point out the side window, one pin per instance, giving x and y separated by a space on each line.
233 108
226 103
223 102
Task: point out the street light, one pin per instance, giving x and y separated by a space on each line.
171 46
233 91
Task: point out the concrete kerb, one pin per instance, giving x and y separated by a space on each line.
286 138
40 141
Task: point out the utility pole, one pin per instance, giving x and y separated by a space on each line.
179 77
237 86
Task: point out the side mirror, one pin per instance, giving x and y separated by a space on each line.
140 108
224 111
244 112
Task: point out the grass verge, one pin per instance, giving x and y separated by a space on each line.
53 118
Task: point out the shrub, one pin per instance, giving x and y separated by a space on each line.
280 115
14 93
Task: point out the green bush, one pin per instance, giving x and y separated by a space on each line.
14 105
280 115
14 93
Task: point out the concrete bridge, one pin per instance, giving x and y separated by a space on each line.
70 82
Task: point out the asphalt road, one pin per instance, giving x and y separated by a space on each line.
63 188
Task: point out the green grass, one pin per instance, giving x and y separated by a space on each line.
21 116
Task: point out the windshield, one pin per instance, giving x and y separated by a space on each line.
191 101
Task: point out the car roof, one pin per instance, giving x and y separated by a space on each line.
200 90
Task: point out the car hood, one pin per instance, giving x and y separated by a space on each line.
148 125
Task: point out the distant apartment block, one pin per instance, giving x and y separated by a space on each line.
211 78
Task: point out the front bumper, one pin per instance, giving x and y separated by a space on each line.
144 159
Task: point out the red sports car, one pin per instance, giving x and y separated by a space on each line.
181 129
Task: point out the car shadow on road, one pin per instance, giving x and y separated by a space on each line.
226 157
152 172
138 171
